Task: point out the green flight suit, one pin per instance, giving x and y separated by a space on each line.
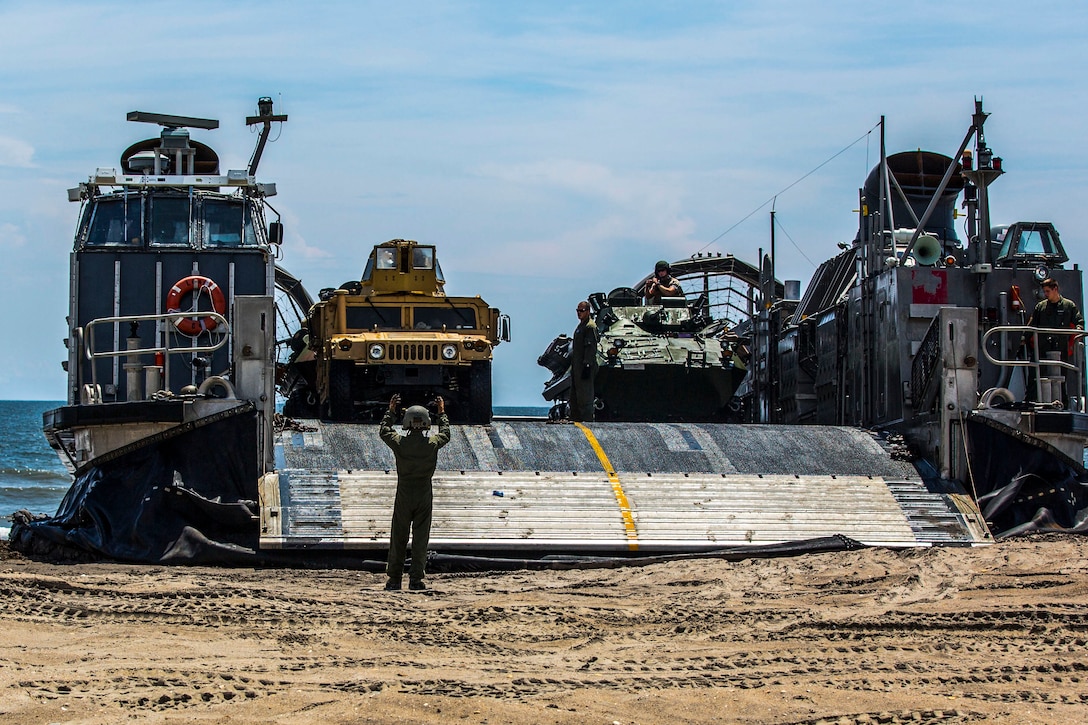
1062 314
417 457
583 370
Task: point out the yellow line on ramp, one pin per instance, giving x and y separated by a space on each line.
617 488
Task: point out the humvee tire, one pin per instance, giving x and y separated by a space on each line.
479 385
341 403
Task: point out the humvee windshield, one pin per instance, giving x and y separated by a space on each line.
433 318
366 318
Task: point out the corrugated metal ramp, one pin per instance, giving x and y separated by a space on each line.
531 487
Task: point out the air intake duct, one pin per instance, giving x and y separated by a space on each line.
919 173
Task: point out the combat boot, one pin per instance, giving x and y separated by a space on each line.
416 585
393 584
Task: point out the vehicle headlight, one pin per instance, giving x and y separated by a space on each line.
1041 273
344 344
449 352
376 351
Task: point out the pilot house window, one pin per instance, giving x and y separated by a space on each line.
1034 242
116 221
227 224
170 221
1031 241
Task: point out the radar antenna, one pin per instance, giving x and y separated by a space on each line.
173 150
169 121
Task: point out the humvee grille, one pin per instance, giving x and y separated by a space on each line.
413 351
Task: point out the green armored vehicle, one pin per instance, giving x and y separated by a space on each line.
396 331
677 359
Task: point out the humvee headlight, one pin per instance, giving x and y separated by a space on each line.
449 352
376 351
468 344
481 346
345 345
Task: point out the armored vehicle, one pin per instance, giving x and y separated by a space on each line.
396 331
680 360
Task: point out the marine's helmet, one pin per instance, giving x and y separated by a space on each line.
661 264
417 418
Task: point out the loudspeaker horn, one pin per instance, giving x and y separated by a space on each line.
927 250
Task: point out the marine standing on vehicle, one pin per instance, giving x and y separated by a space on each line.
583 365
417 457
662 284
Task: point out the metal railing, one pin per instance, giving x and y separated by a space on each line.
925 365
86 339
1076 387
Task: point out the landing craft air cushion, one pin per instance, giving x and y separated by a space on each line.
180 321
914 332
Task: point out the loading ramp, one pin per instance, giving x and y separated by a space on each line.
534 488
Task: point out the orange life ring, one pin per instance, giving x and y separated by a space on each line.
193 326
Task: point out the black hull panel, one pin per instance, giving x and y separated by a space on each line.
185 498
1022 488
666 394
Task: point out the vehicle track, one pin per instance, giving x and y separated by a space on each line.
103 639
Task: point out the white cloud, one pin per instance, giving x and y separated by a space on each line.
11 237
617 207
14 152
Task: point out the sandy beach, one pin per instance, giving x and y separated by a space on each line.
948 635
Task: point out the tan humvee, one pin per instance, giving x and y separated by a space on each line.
396 331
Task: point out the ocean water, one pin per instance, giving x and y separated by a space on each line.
32 476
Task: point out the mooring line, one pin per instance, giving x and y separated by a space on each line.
617 488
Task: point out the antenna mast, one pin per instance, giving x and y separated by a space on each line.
264 109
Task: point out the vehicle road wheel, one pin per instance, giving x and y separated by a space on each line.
479 392
341 402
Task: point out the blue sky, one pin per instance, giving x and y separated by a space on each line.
549 149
